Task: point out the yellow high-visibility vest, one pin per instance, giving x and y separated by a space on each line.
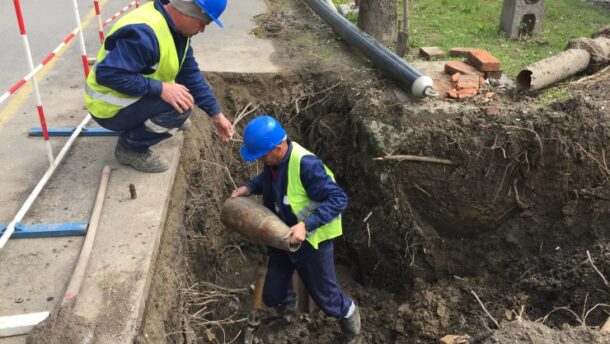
104 102
300 203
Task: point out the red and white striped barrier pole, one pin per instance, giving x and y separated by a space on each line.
98 14
81 39
28 53
102 24
46 60
121 11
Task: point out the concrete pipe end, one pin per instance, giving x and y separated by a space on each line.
524 80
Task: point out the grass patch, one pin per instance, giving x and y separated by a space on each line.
552 95
475 23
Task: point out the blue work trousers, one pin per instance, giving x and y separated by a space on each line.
317 271
145 123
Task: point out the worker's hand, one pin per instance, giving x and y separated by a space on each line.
240 191
177 96
223 126
296 233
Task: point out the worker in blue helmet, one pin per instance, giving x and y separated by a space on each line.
301 191
146 81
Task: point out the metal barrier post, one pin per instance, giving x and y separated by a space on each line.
28 53
81 39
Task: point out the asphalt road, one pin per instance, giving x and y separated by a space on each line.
47 24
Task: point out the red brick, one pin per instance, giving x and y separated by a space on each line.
455 77
483 61
460 67
460 52
481 81
452 93
468 81
467 93
431 52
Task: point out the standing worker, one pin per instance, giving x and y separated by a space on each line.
146 81
301 191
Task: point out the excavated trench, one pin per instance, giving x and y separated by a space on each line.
504 210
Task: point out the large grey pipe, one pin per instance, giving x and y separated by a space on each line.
390 64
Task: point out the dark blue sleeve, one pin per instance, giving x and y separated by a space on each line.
191 77
255 185
131 52
322 189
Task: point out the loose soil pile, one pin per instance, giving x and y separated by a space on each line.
498 235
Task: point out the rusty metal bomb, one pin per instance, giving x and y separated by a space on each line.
255 223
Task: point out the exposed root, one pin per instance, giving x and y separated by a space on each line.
582 320
603 167
204 299
298 110
538 139
597 270
520 204
416 158
485 309
226 170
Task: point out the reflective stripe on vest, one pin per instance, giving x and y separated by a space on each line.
109 98
104 102
300 203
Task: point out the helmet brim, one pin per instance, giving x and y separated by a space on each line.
249 156
217 21
207 12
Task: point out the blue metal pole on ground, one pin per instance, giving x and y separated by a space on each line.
47 230
86 131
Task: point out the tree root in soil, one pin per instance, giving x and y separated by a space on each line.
202 301
582 319
597 270
416 158
485 309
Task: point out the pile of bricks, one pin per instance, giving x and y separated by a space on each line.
469 77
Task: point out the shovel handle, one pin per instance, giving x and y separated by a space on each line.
261 273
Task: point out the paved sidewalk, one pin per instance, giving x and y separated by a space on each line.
36 271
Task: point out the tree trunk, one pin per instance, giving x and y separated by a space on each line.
378 19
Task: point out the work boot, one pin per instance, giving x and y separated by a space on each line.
140 161
287 311
350 327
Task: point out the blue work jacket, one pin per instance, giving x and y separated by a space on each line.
134 50
272 183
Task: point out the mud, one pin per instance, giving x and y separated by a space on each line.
510 224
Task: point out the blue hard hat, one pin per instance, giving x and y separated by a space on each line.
213 8
261 135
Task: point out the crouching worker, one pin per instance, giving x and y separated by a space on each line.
301 191
146 81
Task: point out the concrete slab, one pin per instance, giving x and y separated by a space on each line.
118 277
36 271
235 48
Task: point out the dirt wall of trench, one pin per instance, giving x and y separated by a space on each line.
510 221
